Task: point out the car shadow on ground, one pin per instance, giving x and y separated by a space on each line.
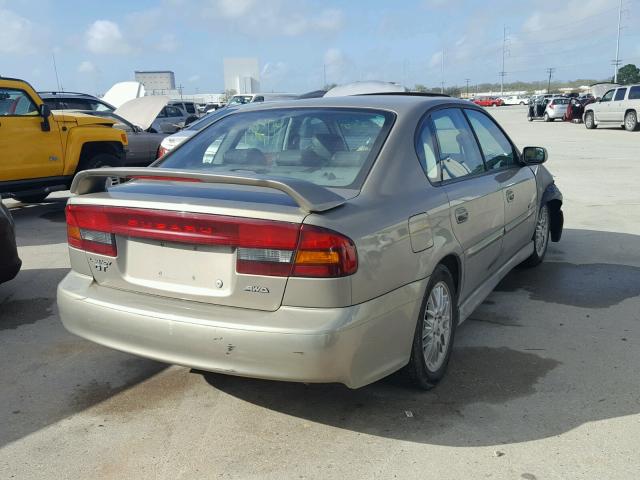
528 365
48 374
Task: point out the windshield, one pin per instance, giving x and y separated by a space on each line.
240 99
331 147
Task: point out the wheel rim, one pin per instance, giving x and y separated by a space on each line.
436 327
542 231
589 120
631 121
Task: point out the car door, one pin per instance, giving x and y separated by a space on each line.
27 150
475 197
602 109
518 183
617 106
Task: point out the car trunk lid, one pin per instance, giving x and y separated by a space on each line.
225 244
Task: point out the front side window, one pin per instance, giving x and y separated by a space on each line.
16 103
173 111
459 152
634 93
620 93
332 147
496 147
607 96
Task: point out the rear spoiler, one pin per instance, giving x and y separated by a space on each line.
309 196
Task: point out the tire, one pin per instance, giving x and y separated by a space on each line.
631 121
530 119
33 198
103 160
540 238
521 104
546 117
419 372
589 121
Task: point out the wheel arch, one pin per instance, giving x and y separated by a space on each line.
454 265
553 199
91 149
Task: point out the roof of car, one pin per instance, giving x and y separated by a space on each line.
396 103
65 94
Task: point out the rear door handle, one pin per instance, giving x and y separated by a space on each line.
510 195
462 215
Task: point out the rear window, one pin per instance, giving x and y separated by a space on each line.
561 101
634 93
332 147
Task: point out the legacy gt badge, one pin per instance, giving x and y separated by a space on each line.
256 289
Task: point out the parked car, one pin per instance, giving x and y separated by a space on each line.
488 101
619 106
42 151
309 242
172 141
190 108
135 117
9 260
556 108
243 98
171 119
516 100
74 101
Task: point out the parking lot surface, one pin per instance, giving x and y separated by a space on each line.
543 382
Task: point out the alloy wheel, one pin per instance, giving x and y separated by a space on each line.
542 231
437 327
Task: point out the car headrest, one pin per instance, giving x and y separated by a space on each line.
348 159
299 158
245 156
331 141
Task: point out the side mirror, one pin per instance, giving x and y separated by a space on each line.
534 155
45 113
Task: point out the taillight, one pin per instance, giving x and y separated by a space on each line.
262 247
88 231
324 253
551 106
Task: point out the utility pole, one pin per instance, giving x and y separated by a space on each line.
467 80
504 53
550 71
617 62
180 90
442 67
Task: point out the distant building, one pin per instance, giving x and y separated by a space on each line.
242 75
156 81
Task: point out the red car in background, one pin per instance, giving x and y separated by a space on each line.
488 101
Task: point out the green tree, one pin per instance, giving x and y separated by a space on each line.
629 74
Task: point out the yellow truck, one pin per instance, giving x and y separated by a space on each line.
41 151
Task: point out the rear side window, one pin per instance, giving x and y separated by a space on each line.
15 102
190 108
634 93
620 93
496 147
426 149
332 147
458 150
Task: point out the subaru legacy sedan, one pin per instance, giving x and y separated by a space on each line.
324 240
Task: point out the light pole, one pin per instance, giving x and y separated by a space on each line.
616 62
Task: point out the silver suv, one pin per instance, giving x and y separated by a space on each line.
324 240
618 107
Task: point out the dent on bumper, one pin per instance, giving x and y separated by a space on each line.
355 345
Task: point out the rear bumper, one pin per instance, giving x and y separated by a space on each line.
354 345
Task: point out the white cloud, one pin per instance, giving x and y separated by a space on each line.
105 37
339 67
194 78
168 43
87 67
289 18
436 60
16 34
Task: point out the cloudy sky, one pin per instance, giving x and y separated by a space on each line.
298 42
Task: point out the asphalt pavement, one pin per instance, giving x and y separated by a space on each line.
543 383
